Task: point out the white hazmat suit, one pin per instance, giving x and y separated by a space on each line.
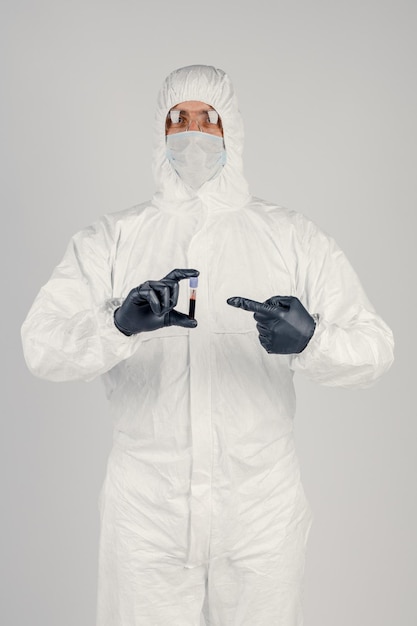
202 508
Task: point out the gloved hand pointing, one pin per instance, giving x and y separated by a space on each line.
151 305
284 325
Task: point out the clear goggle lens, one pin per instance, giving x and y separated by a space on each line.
205 121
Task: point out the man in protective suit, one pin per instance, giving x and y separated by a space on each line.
203 515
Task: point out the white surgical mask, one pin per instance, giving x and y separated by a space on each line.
196 157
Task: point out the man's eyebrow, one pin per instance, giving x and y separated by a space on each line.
200 111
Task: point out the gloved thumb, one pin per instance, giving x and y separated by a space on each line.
179 319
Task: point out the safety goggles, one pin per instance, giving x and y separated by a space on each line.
205 121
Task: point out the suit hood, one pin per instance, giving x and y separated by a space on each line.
212 86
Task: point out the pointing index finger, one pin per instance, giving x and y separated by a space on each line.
247 304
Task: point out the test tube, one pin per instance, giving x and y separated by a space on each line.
193 295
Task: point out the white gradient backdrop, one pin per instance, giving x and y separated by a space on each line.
328 94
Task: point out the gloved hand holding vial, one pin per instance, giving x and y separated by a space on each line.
151 305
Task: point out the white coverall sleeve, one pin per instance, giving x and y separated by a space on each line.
351 346
69 333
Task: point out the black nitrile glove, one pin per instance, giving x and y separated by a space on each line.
151 305
284 325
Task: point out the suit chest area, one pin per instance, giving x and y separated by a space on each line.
235 253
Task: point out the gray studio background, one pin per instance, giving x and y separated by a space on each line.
328 94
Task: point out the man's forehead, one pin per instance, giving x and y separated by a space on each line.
196 106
